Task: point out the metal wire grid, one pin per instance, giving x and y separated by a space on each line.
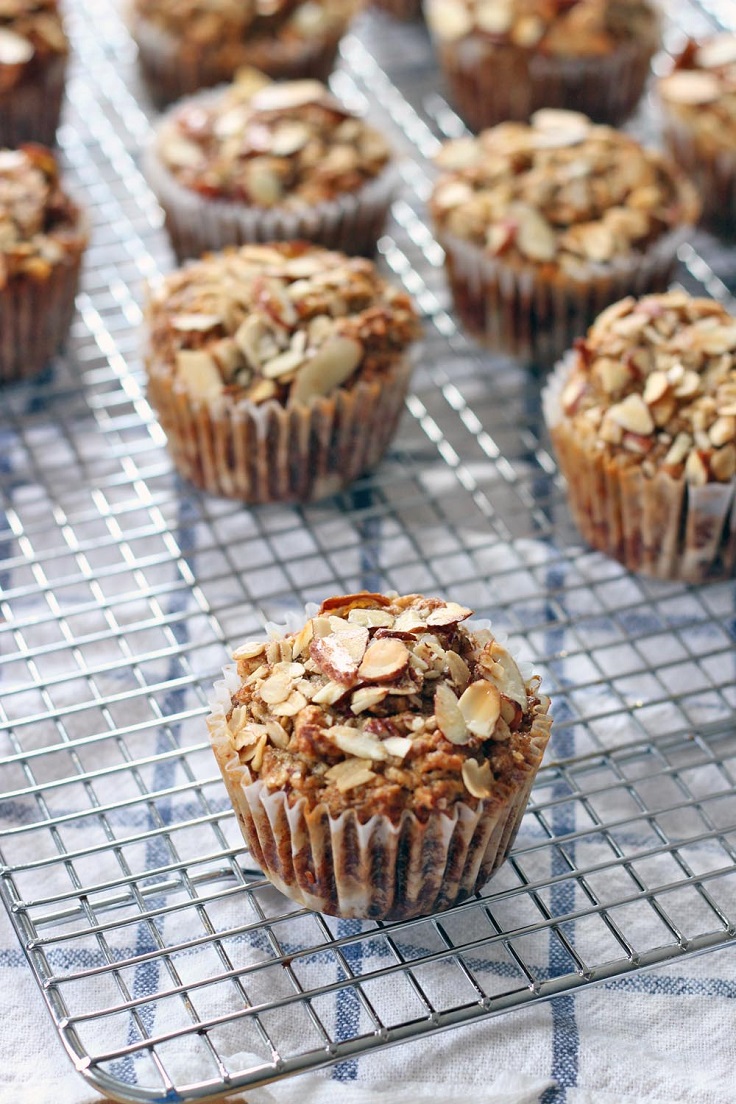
122 869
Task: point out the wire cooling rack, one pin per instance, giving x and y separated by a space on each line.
171 969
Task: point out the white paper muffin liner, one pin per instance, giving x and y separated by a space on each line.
491 83
30 111
270 453
377 870
523 312
659 526
35 316
713 174
173 69
196 224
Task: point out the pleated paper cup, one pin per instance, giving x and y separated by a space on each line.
35 315
536 312
713 172
30 111
375 870
172 68
270 453
352 223
492 83
658 525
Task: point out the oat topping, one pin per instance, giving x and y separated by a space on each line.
285 321
654 382
383 704
38 223
560 189
567 28
701 91
207 24
31 31
267 144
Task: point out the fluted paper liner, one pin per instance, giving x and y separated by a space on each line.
30 110
173 68
712 173
657 525
351 223
527 313
35 316
271 453
491 83
377 870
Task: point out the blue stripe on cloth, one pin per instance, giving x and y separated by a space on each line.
565 1035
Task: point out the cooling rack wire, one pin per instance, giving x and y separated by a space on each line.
122 869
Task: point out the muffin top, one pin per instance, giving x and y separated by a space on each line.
566 28
701 91
31 32
654 383
212 24
383 704
559 189
286 321
39 224
268 144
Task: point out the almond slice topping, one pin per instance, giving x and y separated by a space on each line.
250 649
365 697
511 683
329 693
353 742
448 715
458 669
448 615
398 746
384 660
350 774
339 655
480 706
276 689
478 779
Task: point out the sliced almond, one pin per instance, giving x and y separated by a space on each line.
289 138
480 706
277 734
283 364
613 375
365 697
410 622
722 431
180 153
350 773
449 19
255 340
458 669
302 639
371 618
288 94
339 655
448 615
330 693
656 387
717 51
689 385
276 689
556 128
495 17
249 650
723 463
633 414
14 49
247 736
478 779
330 366
385 660
199 374
397 746
353 742
195 323
509 679
450 719
535 238
690 86
696 471
289 708
678 450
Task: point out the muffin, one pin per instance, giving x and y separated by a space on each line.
258 161
699 106
505 59
381 758
185 45
545 224
42 239
399 9
278 371
33 57
642 416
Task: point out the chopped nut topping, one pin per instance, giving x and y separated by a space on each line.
673 411
559 190
377 716
39 225
230 24
700 93
285 145
31 35
242 324
581 28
